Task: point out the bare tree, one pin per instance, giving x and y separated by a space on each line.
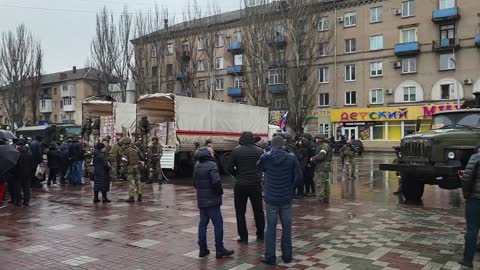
35 81
20 60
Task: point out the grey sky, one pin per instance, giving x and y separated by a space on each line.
66 32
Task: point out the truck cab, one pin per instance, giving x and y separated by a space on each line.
436 156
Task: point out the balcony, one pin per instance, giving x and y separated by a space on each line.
45 106
183 75
477 40
185 56
277 63
446 44
69 105
277 88
236 91
235 47
445 15
406 48
236 69
67 90
279 41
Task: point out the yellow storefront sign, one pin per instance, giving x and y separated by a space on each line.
389 113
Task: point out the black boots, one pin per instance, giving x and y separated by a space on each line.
224 253
130 200
204 253
140 199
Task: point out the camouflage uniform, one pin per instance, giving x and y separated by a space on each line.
348 154
144 128
87 130
132 159
143 168
114 155
155 152
96 130
323 161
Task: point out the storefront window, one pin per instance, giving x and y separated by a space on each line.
378 132
408 127
395 131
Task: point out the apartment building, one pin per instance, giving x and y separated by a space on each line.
388 63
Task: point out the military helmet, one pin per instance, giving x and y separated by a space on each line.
284 135
320 136
139 143
308 136
155 138
125 141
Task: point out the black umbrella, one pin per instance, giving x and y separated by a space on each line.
7 135
8 157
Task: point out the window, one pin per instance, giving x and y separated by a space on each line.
350 72
154 70
279 30
54 91
447 32
67 101
170 87
409 65
43 103
323 48
219 63
65 87
350 45
323 74
443 4
169 69
350 19
55 118
219 84
277 76
280 104
323 24
378 131
238 82
55 104
237 36
376 14
238 60
61 104
376 69
409 94
186 46
201 65
446 90
324 128
323 99
201 44
408 8
376 96
447 61
408 35
169 49
219 40
201 86
351 98
154 51
376 42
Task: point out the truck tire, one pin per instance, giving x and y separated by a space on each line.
223 161
412 188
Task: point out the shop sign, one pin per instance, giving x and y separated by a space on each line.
397 114
315 114
357 124
429 110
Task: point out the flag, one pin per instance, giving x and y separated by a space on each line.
283 121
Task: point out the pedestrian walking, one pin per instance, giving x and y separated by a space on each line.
76 156
23 175
248 185
281 171
471 194
54 161
323 167
101 173
132 159
209 188
347 152
37 150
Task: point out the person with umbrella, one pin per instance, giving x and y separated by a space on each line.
22 173
8 159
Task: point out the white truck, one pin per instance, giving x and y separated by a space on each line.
180 122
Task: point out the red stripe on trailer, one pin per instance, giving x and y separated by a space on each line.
215 133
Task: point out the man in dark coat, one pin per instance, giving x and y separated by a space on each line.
66 163
248 185
54 164
471 193
76 156
23 175
209 188
101 173
37 150
281 171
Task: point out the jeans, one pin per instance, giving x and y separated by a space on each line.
207 214
241 196
472 216
285 213
76 172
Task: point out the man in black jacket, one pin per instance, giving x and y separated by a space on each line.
76 156
248 185
23 177
471 193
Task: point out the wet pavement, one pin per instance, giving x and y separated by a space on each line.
364 227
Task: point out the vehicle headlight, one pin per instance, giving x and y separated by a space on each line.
399 154
451 155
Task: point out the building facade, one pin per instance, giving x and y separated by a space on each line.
387 63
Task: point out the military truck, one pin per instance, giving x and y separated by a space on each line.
435 157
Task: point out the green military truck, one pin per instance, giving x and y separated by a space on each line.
435 157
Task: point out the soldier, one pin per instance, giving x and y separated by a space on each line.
348 154
323 160
87 129
96 130
132 158
106 141
155 152
144 127
144 167
114 156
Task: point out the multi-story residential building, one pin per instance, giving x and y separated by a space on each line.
387 63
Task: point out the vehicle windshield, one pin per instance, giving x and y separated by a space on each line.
73 131
456 120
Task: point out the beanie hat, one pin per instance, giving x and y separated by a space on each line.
99 146
278 142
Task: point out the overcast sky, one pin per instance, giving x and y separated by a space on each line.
66 27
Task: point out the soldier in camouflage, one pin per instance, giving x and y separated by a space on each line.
132 159
347 153
114 156
155 152
143 168
323 167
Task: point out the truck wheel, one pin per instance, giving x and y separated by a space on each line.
412 188
223 163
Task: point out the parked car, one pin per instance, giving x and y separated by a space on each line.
356 143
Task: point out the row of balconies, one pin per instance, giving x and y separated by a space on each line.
446 44
45 105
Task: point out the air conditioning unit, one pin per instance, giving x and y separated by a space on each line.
340 19
227 36
388 92
397 64
397 11
467 82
